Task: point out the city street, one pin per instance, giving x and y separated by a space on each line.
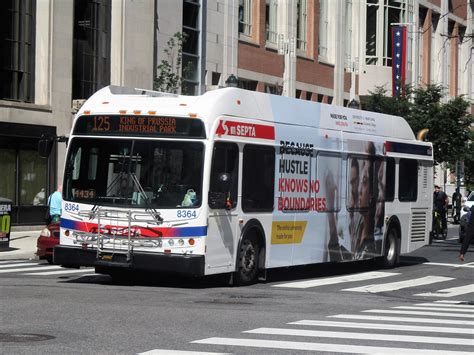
426 303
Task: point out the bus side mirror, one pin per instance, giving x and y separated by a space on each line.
45 145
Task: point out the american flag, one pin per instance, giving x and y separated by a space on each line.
399 36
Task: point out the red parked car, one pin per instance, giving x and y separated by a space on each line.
47 240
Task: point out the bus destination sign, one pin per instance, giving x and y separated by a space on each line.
131 125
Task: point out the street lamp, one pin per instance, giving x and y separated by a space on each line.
353 104
232 81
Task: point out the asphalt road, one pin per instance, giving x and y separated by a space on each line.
425 304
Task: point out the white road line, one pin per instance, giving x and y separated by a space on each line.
336 348
17 265
385 326
437 314
60 272
177 352
450 292
362 336
468 265
50 267
392 286
335 280
12 261
404 319
471 310
448 304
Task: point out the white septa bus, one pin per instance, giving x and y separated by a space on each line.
236 181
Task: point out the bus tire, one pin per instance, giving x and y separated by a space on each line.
247 261
392 249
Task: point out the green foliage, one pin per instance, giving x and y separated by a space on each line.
170 78
448 123
469 163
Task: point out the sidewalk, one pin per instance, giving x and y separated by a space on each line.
22 244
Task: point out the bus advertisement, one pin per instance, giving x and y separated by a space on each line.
238 182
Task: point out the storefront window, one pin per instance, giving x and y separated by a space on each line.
7 180
32 178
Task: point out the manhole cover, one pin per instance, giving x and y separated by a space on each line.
23 338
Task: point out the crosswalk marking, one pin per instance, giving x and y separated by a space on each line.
455 339
448 304
437 314
12 261
392 286
6 266
50 267
60 272
363 336
339 279
471 310
177 352
339 348
385 326
450 292
403 319
467 265
453 303
39 269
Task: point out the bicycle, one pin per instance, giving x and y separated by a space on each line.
438 226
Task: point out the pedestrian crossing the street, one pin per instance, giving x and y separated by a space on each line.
38 268
440 327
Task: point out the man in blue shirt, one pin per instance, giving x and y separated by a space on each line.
54 203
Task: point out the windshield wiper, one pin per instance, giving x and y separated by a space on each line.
130 174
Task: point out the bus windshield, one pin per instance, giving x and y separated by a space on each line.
134 173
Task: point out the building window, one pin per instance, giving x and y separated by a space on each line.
371 32
301 21
323 29
271 11
91 52
380 15
191 48
245 17
248 84
17 35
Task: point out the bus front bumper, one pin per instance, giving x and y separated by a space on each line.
192 265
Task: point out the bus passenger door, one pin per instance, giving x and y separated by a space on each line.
223 217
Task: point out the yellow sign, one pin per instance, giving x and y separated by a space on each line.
288 232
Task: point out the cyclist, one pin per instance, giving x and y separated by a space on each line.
456 202
440 204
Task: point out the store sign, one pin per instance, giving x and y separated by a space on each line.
5 222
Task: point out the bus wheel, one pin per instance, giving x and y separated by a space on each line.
247 262
391 254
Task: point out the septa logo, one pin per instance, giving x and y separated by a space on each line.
248 130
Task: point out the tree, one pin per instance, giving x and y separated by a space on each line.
448 123
170 78
469 163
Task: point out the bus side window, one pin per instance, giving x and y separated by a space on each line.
225 161
390 180
258 178
408 180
